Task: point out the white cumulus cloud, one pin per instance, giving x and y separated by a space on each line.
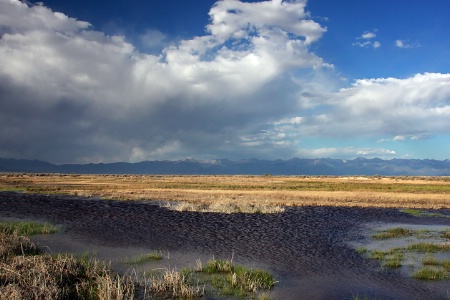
414 106
72 94
365 40
405 44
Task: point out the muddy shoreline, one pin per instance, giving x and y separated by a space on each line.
306 247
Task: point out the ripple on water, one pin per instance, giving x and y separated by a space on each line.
307 247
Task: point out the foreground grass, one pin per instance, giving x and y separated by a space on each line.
26 272
224 278
256 191
28 228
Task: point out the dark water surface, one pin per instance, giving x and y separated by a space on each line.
306 247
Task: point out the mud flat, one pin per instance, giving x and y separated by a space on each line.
307 248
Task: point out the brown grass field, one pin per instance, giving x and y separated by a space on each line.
241 191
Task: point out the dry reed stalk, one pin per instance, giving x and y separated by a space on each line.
173 283
26 273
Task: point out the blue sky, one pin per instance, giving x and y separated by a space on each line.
102 81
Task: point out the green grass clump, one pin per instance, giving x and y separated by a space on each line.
228 279
430 261
421 213
446 264
428 273
392 233
146 257
28 228
413 212
428 247
446 234
393 260
361 250
218 266
378 255
430 267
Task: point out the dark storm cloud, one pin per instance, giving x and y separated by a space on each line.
249 87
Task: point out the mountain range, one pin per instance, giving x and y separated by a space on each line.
294 166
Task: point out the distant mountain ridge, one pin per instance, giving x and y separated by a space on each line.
294 166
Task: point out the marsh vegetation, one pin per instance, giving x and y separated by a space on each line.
244 193
419 252
27 272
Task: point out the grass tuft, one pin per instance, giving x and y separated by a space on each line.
428 247
428 273
146 257
361 250
393 260
446 264
430 261
377 254
218 266
393 233
28 228
446 234
173 284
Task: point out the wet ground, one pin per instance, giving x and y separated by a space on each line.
308 248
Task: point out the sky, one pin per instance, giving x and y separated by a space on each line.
105 81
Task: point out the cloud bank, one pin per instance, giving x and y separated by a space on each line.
250 86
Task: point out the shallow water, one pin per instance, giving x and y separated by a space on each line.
307 248
425 233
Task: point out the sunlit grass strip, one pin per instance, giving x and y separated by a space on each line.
28 228
225 208
421 213
400 232
394 192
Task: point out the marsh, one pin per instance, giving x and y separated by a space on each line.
307 248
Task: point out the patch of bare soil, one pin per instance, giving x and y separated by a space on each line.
306 247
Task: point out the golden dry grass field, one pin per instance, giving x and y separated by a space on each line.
372 191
